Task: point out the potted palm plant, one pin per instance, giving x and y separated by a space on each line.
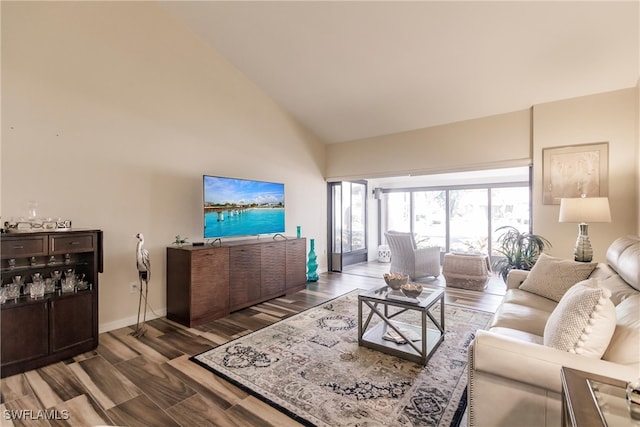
520 250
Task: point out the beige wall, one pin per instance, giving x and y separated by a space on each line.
496 141
507 140
610 117
112 112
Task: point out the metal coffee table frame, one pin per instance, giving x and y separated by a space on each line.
415 351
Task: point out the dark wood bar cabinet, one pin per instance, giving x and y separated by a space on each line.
35 332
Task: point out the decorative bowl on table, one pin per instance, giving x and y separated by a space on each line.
411 290
395 280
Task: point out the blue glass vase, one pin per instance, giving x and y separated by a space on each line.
312 264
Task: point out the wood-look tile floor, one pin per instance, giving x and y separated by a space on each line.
151 382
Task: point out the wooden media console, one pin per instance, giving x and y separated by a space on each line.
205 283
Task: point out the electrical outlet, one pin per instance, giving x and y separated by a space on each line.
134 287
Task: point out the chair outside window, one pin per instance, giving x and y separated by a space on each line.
407 258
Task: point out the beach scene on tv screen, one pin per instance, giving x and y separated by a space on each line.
239 207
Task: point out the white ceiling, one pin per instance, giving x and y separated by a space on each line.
351 70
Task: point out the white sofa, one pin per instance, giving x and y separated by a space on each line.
514 379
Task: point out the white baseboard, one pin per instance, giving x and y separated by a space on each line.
131 320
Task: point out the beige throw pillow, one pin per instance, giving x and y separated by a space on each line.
550 277
583 321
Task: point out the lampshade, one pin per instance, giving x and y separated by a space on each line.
585 209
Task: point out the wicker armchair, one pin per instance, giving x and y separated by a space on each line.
408 259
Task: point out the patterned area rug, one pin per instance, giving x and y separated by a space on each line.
311 367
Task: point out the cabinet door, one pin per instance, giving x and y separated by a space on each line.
209 282
296 263
24 334
71 320
273 269
244 274
179 273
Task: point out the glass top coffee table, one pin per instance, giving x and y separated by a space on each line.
414 336
590 400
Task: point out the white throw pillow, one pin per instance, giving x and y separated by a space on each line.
550 277
583 321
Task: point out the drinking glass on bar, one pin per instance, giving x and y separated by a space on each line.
49 285
37 289
13 291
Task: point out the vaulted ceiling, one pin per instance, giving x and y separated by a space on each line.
355 69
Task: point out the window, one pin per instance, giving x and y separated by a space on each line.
399 211
430 218
509 206
469 222
458 218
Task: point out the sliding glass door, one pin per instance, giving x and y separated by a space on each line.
348 213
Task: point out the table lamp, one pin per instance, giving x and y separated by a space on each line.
583 210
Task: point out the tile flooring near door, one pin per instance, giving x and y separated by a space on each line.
151 382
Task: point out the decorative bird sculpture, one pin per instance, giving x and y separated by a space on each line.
144 273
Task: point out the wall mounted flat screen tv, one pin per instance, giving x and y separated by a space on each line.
242 207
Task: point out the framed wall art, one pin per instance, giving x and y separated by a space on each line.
571 171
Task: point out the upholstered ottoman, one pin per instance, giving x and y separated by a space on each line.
466 271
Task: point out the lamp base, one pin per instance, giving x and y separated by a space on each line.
583 251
